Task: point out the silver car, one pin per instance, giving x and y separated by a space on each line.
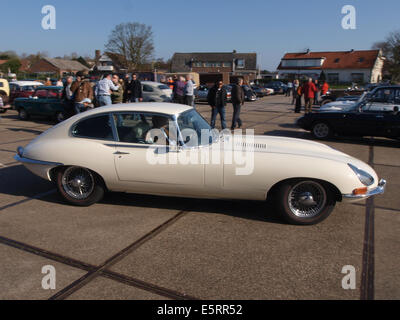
156 92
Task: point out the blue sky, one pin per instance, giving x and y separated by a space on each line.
269 28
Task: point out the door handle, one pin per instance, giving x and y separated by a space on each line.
119 152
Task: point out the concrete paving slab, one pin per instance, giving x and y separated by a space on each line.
387 257
90 234
390 199
21 275
106 289
218 255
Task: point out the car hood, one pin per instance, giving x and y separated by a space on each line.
293 146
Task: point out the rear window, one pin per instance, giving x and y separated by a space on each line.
1 84
98 127
163 87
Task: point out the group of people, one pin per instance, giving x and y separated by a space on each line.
80 94
310 89
217 99
182 89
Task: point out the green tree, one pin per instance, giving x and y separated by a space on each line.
391 51
132 41
13 65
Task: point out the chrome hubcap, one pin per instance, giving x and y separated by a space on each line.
321 130
307 199
78 182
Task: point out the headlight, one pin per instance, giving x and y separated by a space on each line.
365 178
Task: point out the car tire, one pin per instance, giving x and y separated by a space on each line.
304 201
321 130
60 117
90 186
22 114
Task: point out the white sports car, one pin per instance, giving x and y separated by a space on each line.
169 149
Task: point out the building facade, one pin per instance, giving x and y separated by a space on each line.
214 66
361 66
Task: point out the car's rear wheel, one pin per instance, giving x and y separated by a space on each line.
22 114
80 186
304 202
321 130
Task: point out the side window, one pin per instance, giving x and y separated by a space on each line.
54 94
147 88
397 97
142 128
98 127
40 93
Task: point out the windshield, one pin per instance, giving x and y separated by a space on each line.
195 130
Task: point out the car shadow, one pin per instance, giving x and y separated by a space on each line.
37 132
18 181
38 120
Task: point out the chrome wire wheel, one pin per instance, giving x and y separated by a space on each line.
78 182
321 130
307 199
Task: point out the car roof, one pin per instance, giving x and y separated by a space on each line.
27 83
155 107
152 83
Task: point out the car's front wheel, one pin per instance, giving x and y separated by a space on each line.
304 202
22 114
80 186
321 130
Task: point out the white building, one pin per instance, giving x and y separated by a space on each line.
338 66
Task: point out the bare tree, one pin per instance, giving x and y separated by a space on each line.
391 51
134 42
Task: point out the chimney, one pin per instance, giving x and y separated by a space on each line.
351 51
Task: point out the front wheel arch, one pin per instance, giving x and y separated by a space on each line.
332 187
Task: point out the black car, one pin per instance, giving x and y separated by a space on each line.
278 86
356 121
249 94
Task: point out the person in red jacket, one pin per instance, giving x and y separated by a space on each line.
325 88
309 90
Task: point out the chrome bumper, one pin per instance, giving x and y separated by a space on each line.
380 189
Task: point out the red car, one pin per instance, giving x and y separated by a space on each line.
22 89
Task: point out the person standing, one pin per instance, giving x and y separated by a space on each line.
309 90
103 90
179 90
189 91
118 95
237 98
217 98
48 82
295 87
81 90
68 97
325 88
289 88
127 83
299 93
316 99
135 88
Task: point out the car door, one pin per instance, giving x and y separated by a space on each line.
362 122
147 162
33 105
382 100
54 103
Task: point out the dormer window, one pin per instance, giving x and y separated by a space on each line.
361 59
337 60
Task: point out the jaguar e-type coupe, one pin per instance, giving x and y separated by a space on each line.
159 148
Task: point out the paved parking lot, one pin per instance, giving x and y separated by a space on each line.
146 247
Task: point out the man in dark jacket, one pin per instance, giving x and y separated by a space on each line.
217 98
81 90
237 99
135 89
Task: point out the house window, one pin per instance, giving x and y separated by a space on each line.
337 60
240 63
197 64
361 59
333 77
357 77
212 64
227 64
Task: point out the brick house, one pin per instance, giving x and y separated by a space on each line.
57 67
213 66
338 66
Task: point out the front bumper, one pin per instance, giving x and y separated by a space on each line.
380 189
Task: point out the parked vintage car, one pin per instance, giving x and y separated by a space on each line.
201 93
382 98
358 120
259 91
4 94
114 148
44 102
156 92
249 94
22 89
278 86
